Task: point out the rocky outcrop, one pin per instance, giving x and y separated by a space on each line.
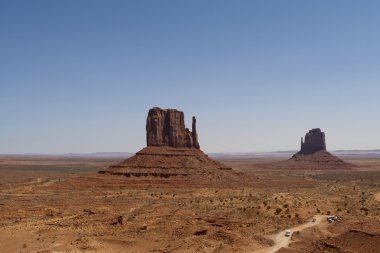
167 128
314 142
173 153
313 154
194 134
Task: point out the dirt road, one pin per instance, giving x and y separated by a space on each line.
280 240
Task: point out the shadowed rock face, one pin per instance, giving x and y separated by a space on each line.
314 142
167 128
313 155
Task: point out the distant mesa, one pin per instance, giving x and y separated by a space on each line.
313 155
172 151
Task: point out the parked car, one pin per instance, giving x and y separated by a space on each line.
332 218
288 232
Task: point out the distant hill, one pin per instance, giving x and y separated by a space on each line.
235 155
289 153
121 155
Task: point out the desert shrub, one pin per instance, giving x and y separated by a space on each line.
297 215
268 207
328 213
285 206
339 209
278 211
318 211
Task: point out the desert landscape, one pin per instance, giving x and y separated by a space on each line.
207 126
56 209
172 198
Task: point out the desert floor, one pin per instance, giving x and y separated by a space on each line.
60 204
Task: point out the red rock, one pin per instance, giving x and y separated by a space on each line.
312 156
167 128
194 134
173 152
314 142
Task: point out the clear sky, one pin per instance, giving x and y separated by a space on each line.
80 76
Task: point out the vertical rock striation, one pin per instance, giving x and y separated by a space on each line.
194 133
173 152
167 128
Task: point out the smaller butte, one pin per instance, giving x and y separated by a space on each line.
173 153
313 155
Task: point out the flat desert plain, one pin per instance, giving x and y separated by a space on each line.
60 204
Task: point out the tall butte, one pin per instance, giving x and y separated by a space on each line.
313 153
167 128
172 151
314 141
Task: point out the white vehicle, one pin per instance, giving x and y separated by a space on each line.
288 232
331 218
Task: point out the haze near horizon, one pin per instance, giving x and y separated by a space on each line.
80 76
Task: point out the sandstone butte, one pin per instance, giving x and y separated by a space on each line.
172 152
313 155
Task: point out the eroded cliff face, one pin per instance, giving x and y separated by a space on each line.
314 142
167 128
173 152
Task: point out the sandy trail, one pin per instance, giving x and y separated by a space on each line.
280 240
377 196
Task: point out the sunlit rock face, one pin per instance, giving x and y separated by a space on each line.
167 128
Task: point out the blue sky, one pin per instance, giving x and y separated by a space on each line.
80 76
